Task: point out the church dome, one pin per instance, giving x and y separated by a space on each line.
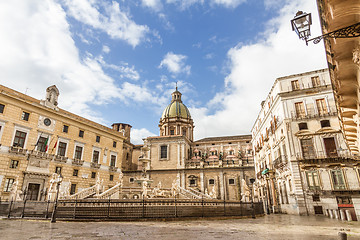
176 108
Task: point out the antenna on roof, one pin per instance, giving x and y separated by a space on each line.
176 85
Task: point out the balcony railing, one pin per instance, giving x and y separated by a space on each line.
77 162
235 162
308 86
18 150
323 155
95 165
61 159
313 113
280 162
113 168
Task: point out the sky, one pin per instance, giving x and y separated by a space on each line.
118 61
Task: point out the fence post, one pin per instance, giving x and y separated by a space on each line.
143 207
11 203
175 206
23 210
224 206
108 212
202 207
74 214
47 209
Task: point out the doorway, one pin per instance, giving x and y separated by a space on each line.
330 147
33 191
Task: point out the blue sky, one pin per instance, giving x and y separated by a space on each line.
118 61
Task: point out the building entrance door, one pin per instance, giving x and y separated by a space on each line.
33 191
330 147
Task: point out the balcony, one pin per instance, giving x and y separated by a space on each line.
77 162
17 150
306 87
95 165
280 162
60 159
313 113
320 156
113 168
39 154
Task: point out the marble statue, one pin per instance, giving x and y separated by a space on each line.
245 191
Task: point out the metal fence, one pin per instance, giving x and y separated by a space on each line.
154 208
112 209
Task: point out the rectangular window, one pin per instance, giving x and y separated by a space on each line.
211 181
2 107
25 116
307 148
73 189
303 126
81 133
316 198
300 109
295 85
58 170
231 181
172 132
8 184
62 149
78 152
321 106
76 172
14 163
325 123
131 179
65 128
95 156
112 160
313 180
338 179
97 139
93 174
42 143
315 81
192 182
19 140
111 178
163 152
114 144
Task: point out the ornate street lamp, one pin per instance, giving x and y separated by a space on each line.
301 25
252 180
58 182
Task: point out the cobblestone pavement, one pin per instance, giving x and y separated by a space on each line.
272 227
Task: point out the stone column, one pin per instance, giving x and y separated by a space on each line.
182 182
348 215
342 215
202 187
179 155
331 213
336 213
221 178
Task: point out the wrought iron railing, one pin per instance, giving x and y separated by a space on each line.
313 113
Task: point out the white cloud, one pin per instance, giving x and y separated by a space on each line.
137 135
184 4
209 56
253 69
47 55
106 49
115 22
124 69
175 63
228 3
155 5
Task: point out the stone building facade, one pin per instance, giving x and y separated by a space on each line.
216 166
39 139
302 162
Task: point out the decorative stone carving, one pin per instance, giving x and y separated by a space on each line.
356 55
212 194
99 185
245 191
51 101
15 192
52 188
